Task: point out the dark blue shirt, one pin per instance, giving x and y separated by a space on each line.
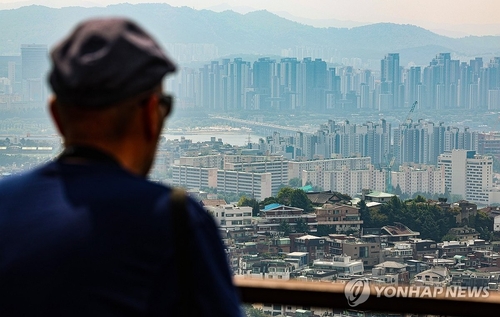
95 240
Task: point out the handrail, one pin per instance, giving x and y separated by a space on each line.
331 295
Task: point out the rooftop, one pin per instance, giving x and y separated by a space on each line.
376 194
213 202
271 206
391 265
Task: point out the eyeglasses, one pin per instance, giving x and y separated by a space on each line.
166 102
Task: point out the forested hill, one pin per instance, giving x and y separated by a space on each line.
259 32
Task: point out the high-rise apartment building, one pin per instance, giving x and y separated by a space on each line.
258 176
291 84
10 68
489 143
344 175
419 179
345 180
421 142
468 175
390 80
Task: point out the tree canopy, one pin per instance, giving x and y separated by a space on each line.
252 202
294 198
430 220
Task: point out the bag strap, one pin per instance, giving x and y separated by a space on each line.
183 249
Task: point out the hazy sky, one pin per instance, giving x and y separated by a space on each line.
426 13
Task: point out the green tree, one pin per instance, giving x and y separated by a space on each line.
254 312
420 199
398 191
449 237
301 226
268 201
295 198
483 225
295 182
244 201
454 198
299 199
284 228
324 230
284 196
364 214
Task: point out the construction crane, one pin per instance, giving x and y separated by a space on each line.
388 181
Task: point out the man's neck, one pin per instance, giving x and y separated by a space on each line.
127 157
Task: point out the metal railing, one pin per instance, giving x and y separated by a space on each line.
331 295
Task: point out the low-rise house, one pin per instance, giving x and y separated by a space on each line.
366 249
449 249
342 217
315 246
469 278
257 267
416 266
343 264
464 233
390 234
436 276
315 274
390 272
274 215
326 197
400 252
229 216
398 232
466 210
298 259
422 248
376 196
496 224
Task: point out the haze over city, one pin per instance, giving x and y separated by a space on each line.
330 140
455 18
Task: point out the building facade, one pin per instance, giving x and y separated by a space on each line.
468 175
419 179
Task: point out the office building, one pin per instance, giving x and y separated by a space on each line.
35 65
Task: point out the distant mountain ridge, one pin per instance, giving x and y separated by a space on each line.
259 32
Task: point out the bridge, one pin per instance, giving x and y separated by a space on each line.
259 127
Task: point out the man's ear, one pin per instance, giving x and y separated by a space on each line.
54 113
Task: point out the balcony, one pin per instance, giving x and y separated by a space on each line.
340 222
331 295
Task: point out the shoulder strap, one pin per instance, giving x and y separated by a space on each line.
183 244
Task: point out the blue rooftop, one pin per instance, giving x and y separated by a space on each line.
271 206
307 188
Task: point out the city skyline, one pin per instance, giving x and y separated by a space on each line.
292 84
464 16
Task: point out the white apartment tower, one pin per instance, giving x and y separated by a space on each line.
468 175
345 175
419 179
